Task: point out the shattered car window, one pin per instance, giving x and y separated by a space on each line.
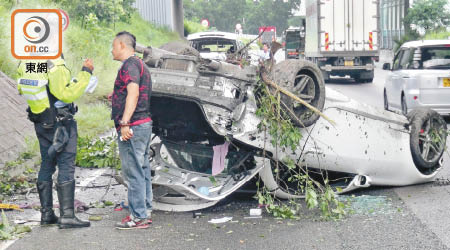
199 158
214 45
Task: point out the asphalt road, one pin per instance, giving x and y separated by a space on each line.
415 217
429 203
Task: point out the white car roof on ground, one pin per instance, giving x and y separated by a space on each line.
415 44
209 34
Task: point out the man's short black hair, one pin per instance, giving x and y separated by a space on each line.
127 38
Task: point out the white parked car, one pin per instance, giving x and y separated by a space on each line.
419 77
215 45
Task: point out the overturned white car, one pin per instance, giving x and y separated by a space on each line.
209 143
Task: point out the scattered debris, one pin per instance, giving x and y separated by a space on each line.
370 205
6 206
35 205
253 217
196 215
255 212
20 221
95 218
220 220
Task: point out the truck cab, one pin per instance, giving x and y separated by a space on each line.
295 42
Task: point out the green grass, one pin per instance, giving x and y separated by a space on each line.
8 65
94 42
193 27
94 119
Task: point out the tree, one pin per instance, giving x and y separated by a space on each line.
428 15
269 13
105 11
252 14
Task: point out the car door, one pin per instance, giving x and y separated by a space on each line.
402 84
394 82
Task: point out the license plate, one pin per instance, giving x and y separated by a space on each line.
446 82
348 63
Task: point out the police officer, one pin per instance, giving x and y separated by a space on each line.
50 94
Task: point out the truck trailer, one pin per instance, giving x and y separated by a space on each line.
342 37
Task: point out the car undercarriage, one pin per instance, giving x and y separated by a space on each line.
208 139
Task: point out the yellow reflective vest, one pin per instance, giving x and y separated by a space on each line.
33 85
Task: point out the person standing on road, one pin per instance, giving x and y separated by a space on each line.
131 115
265 52
50 93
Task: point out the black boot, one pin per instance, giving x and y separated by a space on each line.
45 196
66 193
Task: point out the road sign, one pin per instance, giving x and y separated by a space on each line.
204 23
65 19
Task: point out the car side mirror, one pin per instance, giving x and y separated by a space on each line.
386 66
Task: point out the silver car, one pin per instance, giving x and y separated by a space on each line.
215 45
209 143
419 77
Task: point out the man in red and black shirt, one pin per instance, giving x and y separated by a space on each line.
131 115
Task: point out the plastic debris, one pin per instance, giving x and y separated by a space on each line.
20 221
6 206
255 212
253 217
220 220
203 190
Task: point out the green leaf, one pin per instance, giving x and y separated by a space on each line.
5 221
22 229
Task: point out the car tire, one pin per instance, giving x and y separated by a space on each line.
428 135
404 106
385 101
288 74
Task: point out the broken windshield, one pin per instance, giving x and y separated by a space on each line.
203 159
214 45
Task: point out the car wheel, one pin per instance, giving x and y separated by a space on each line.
404 106
427 139
386 103
303 79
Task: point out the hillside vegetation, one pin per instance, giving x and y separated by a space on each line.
91 31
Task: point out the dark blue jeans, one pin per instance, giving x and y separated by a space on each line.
65 159
134 156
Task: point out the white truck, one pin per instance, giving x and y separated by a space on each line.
342 37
